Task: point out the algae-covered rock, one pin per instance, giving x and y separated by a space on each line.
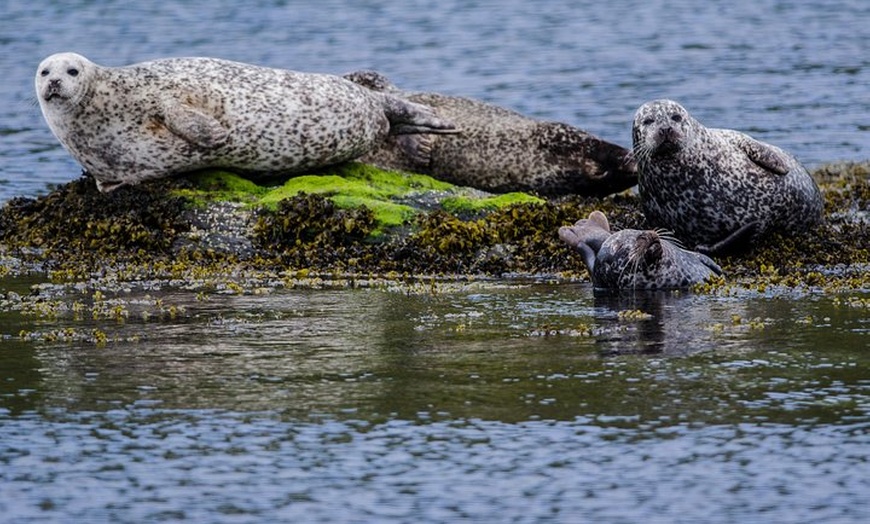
355 218
77 220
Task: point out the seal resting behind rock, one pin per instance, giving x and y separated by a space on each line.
499 150
158 118
635 259
717 189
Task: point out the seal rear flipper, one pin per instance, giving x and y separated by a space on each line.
600 220
736 241
194 126
409 118
766 156
591 231
417 149
571 236
568 235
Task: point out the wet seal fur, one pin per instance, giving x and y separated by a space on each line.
635 259
158 118
717 189
499 150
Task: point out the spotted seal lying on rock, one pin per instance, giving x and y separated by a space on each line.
499 150
717 189
635 259
167 116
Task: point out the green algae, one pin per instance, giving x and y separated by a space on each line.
465 204
350 186
209 185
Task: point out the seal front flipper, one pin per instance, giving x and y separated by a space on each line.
192 125
714 267
765 155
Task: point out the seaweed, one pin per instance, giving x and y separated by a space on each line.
357 218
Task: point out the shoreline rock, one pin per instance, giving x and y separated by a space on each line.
355 219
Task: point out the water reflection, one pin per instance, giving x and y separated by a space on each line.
500 351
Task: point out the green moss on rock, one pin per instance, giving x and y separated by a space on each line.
463 204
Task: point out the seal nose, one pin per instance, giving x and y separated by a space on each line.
53 89
669 134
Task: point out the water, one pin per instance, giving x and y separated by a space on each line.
792 73
483 401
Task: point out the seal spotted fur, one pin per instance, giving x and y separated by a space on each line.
157 118
500 150
635 259
717 188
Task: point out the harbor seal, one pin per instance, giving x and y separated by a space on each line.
500 150
717 189
635 259
175 115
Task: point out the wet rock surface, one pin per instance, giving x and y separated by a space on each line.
219 224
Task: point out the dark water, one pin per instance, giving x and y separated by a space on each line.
485 402
792 73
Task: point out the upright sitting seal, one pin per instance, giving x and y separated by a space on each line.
634 259
717 189
154 119
500 150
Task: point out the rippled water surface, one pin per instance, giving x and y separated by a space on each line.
501 401
793 73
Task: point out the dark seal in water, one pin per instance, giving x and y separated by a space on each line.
635 259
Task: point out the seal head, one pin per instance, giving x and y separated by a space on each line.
63 80
717 189
633 259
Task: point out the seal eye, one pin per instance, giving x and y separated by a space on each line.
677 118
648 121
72 71
44 72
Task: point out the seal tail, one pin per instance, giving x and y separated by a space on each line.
408 118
